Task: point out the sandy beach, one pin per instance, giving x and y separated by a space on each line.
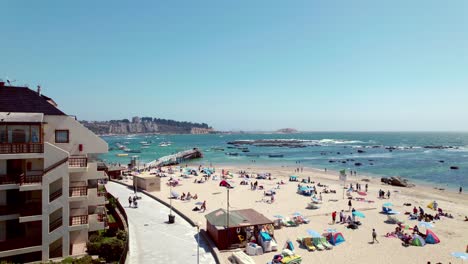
358 247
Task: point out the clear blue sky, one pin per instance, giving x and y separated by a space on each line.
252 65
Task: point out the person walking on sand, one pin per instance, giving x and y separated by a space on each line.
366 186
374 236
460 190
203 206
129 201
333 217
388 194
349 205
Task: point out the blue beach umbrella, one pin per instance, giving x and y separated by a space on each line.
278 216
313 233
330 230
387 204
297 214
425 224
359 214
460 255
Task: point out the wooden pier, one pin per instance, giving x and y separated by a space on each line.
177 158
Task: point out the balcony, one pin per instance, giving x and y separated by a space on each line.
78 162
23 179
8 210
78 220
79 191
20 148
97 222
21 242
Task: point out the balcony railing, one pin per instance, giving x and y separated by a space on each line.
55 195
30 240
22 179
14 148
55 224
30 179
78 162
78 220
78 191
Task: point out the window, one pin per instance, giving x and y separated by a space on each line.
62 136
3 134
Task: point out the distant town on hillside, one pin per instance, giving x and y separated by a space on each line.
143 125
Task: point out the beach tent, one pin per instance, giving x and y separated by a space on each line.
335 238
431 205
289 245
224 183
431 238
418 241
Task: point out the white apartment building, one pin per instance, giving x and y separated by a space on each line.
50 196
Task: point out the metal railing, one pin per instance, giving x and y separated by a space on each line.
77 162
30 179
78 220
12 148
78 191
55 195
55 224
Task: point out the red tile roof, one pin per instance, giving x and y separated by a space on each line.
25 100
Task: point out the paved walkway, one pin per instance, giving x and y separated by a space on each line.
152 240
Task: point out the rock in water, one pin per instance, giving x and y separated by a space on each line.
454 167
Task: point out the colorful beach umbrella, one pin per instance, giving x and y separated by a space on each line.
425 224
359 214
313 233
387 204
460 255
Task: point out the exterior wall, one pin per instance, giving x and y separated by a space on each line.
148 184
53 154
78 134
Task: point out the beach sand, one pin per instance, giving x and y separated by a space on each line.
358 248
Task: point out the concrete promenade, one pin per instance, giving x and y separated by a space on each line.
152 240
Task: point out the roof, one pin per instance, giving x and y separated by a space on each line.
21 117
245 217
25 100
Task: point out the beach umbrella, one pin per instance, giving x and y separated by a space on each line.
313 233
278 216
297 214
359 214
425 224
460 255
362 193
330 230
198 203
387 204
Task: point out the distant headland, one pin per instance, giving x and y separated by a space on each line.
146 125
287 131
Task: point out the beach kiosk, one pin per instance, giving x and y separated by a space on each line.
236 229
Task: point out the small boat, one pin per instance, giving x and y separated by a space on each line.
122 155
217 149
245 150
164 144
133 151
275 155
146 144
232 153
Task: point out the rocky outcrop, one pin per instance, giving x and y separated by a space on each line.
397 181
146 125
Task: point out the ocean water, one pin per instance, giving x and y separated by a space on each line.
410 159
